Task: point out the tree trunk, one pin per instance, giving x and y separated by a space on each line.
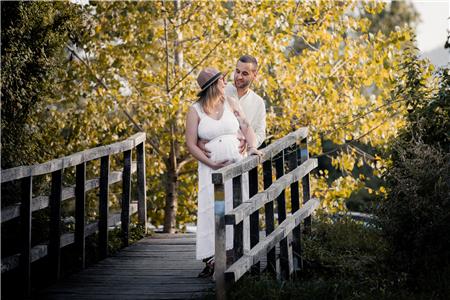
170 210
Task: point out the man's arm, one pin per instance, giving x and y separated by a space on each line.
259 125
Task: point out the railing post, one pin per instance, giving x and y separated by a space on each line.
238 238
305 183
141 186
80 200
281 209
220 263
295 205
54 246
25 224
254 217
103 207
269 216
126 195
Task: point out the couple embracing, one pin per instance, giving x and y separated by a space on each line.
225 124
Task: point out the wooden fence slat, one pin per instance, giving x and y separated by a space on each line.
239 268
281 209
306 184
103 207
126 197
270 194
238 229
141 186
295 205
54 246
80 214
219 241
40 202
254 217
72 160
269 216
25 234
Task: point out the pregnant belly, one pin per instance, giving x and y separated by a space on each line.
225 147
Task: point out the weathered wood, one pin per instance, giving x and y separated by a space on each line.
238 234
259 200
72 160
25 234
281 209
230 171
269 216
40 251
254 216
220 263
126 197
80 214
141 186
240 267
295 205
103 207
306 185
41 202
54 246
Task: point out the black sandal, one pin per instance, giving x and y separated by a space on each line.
208 271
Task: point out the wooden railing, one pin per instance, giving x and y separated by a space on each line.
57 240
285 152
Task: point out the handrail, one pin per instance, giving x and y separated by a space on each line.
72 160
58 194
283 154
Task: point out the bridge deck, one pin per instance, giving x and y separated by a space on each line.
158 267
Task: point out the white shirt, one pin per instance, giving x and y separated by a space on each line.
254 108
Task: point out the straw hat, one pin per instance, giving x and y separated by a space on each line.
207 77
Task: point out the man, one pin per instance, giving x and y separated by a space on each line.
252 104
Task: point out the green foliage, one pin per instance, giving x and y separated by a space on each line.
33 38
415 216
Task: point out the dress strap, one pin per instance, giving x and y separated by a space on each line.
198 107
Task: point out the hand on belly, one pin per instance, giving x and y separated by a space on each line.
225 147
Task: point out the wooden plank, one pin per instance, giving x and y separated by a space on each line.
71 160
238 229
103 207
245 165
254 217
141 186
281 209
220 256
259 200
25 234
80 214
269 216
41 202
306 185
126 197
54 245
295 205
239 268
40 251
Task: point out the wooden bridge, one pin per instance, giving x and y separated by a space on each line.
162 266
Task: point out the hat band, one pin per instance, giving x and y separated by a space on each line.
211 80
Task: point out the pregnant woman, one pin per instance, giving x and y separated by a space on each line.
217 119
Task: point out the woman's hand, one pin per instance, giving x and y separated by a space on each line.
254 151
221 164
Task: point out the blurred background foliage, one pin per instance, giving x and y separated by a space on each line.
75 77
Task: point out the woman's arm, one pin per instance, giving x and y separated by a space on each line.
192 121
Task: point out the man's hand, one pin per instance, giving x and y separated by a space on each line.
201 144
220 164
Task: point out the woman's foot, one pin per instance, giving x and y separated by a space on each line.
208 271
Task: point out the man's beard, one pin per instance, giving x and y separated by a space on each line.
242 85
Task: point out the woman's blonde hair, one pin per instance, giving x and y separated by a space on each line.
207 97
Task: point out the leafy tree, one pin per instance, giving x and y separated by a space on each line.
33 39
137 71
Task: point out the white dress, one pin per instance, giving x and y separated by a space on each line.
223 145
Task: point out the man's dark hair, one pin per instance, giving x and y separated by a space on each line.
249 59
